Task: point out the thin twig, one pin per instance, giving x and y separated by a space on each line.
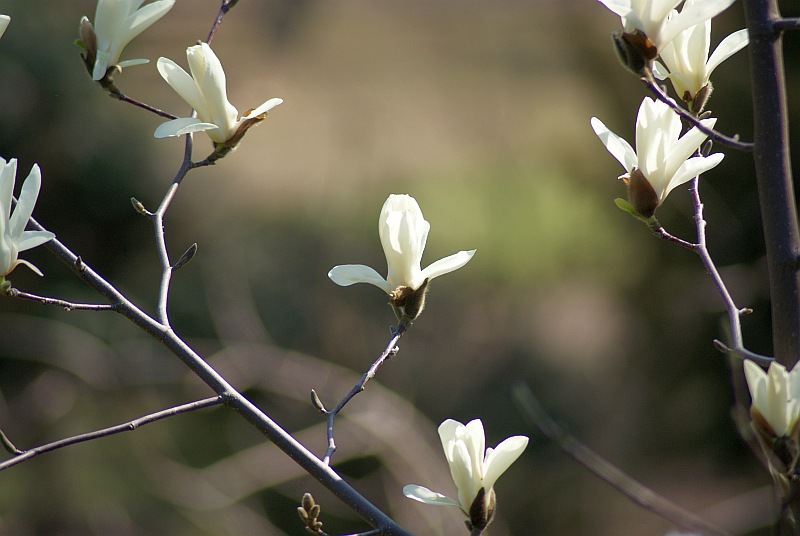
786 24
226 6
117 94
713 134
607 471
111 430
68 306
734 312
390 350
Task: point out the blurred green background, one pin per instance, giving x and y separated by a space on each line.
479 109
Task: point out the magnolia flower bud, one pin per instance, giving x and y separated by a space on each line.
635 51
641 193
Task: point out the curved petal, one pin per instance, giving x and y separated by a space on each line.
209 76
146 17
101 61
618 147
183 84
31 239
348 274
499 459
4 21
8 175
690 15
727 48
16 263
620 7
181 126
264 108
132 63
446 265
424 495
27 200
690 169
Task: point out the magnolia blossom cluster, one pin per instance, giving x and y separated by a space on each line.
655 28
474 469
403 232
117 22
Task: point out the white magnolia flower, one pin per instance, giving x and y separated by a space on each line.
652 16
205 91
116 23
662 155
472 466
776 396
686 56
13 236
403 232
4 22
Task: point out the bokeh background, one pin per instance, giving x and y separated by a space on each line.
478 108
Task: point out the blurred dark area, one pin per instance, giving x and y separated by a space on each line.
479 109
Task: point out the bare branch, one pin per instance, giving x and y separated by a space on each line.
22 455
713 134
68 306
607 471
390 350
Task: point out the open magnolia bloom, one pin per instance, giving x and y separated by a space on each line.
205 91
776 398
687 63
474 469
116 23
403 232
13 237
648 26
663 158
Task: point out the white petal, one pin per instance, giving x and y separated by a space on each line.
349 274
31 239
8 175
132 63
27 199
4 21
181 126
100 65
146 17
618 147
620 7
690 15
183 84
727 48
691 169
267 106
33 268
501 457
424 495
446 265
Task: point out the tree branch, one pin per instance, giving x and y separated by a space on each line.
774 176
606 471
390 350
22 455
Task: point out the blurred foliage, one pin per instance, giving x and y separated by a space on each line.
478 108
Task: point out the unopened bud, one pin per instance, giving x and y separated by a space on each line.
481 512
698 103
407 302
635 51
641 194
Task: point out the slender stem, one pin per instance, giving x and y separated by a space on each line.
774 176
226 6
787 24
117 94
23 455
713 134
390 350
734 312
68 306
608 472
